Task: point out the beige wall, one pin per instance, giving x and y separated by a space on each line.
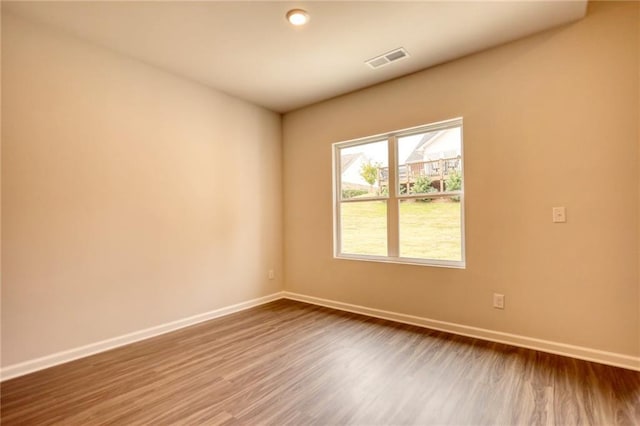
550 120
638 139
130 197
121 212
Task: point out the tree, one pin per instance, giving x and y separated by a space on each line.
369 172
454 183
422 185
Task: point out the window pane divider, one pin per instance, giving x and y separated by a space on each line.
393 207
360 199
430 195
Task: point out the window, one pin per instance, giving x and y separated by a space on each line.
399 197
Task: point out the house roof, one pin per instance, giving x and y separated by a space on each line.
347 160
418 152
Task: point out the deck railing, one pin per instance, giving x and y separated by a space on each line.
436 170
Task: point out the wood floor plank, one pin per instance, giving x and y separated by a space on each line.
292 363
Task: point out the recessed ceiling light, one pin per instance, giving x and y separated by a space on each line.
297 17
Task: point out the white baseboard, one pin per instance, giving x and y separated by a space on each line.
33 365
588 354
579 352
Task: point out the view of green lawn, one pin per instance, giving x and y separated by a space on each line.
427 230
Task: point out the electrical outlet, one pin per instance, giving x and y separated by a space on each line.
271 274
498 301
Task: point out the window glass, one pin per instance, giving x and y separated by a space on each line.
364 170
431 229
364 228
430 162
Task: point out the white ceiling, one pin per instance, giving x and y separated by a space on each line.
247 49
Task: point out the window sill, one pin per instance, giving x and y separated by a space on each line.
453 264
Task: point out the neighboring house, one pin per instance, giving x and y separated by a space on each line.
436 155
436 145
351 166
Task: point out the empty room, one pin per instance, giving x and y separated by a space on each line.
320 213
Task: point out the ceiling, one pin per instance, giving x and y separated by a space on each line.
248 49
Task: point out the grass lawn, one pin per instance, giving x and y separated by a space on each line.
427 230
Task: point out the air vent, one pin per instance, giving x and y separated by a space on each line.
387 58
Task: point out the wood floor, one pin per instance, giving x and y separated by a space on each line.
292 363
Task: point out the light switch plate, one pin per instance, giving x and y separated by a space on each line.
559 215
498 301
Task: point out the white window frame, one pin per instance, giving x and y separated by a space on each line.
394 198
